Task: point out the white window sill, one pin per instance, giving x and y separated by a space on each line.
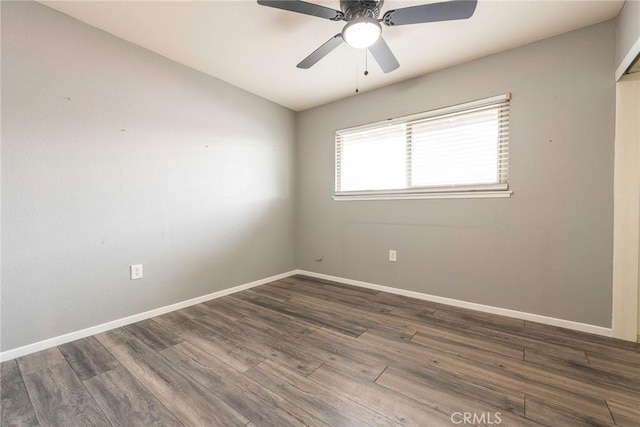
418 196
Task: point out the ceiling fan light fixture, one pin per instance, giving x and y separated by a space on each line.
361 32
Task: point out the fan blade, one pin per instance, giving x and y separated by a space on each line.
303 7
321 52
433 12
383 56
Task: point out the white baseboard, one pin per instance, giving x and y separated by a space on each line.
72 336
83 333
568 324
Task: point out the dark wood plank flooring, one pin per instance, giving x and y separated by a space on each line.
301 351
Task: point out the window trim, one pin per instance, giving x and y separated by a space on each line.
497 190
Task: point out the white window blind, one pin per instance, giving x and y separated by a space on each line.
464 148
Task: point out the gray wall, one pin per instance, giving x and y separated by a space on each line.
547 250
627 30
112 155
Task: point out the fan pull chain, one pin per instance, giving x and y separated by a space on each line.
366 62
366 68
357 90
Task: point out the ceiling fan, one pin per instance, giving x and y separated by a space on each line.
363 29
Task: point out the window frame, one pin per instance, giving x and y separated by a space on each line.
494 190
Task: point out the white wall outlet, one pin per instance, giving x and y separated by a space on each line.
392 256
136 271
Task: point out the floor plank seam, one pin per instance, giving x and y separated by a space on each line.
135 378
88 392
613 420
380 374
316 368
27 391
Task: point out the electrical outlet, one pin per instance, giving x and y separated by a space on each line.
392 256
136 271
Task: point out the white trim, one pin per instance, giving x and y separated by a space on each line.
83 333
568 324
416 196
628 59
419 190
626 210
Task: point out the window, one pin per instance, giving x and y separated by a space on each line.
459 151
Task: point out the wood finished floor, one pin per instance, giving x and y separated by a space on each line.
305 352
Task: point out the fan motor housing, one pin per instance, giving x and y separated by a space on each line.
353 9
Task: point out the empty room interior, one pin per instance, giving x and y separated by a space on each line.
323 213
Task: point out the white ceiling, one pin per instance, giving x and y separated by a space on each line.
257 48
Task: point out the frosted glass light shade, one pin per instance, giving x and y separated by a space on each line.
361 32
